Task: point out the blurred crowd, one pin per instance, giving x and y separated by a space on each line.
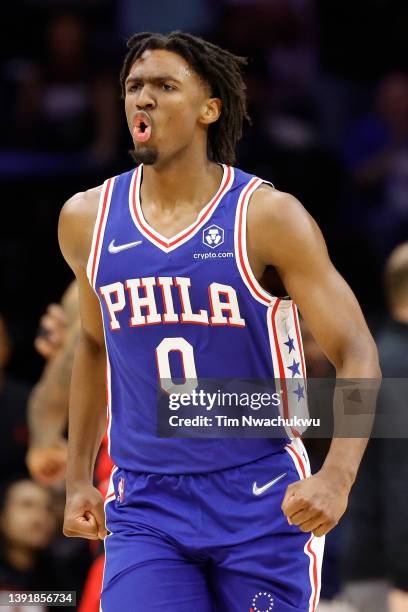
328 94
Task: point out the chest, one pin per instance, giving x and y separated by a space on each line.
169 222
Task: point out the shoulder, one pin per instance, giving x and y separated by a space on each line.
83 204
277 211
76 224
279 226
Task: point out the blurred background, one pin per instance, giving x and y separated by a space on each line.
328 94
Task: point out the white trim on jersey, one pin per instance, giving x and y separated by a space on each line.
298 453
99 231
241 255
314 547
273 322
169 244
108 398
110 493
281 315
108 385
299 339
110 496
281 325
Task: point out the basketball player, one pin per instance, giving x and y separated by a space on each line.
191 524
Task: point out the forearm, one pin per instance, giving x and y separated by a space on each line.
353 419
48 403
87 411
47 416
344 458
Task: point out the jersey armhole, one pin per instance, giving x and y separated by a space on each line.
99 231
241 254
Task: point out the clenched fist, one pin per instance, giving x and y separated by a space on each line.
315 504
84 514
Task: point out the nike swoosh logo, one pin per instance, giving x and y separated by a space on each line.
259 490
112 248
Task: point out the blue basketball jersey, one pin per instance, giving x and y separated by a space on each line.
188 302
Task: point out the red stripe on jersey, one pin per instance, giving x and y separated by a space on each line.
139 220
299 458
108 403
240 249
280 361
308 547
314 573
191 230
98 237
299 340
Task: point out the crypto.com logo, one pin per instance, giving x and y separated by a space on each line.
213 236
262 602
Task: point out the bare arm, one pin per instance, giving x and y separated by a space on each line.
294 245
48 414
48 403
87 417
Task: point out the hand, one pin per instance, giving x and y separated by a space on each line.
47 465
398 601
315 504
84 514
53 326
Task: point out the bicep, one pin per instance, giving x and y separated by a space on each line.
327 304
89 309
75 245
294 245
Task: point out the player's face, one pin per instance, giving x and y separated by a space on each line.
168 107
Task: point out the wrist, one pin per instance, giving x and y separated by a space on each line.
75 485
340 476
78 478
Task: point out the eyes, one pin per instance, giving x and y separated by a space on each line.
163 86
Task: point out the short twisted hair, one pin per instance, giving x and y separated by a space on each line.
219 68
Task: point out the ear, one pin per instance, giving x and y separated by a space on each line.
210 111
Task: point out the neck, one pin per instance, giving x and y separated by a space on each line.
20 557
190 179
400 313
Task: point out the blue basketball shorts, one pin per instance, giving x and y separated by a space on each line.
215 542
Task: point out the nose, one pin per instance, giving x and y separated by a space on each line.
145 99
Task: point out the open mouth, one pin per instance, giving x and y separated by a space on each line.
142 129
